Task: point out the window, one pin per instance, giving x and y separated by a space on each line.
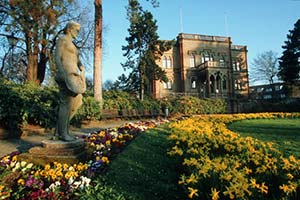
224 83
238 66
164 62
206 57
268 89
268 96
218 81
222 62
193 83
192 61
169 63
212 83
167 85
238 85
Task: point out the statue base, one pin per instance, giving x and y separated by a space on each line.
56 151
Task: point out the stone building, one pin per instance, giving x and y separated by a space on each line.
206 67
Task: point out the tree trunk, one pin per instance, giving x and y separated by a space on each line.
98 52
32 57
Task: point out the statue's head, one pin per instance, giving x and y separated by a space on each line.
72 28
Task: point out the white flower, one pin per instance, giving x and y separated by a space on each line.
54 186
29 166
70 181
17 166
12 164
23 163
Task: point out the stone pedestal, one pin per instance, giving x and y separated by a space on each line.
3 133
56 150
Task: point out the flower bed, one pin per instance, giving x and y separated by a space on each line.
220 164
22 180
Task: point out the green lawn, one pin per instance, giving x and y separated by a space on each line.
285 133
144 170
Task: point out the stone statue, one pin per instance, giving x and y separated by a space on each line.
70 78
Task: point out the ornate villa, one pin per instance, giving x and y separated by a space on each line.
206 67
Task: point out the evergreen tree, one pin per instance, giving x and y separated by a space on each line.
289 62
143 49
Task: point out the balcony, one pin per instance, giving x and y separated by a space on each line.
209 64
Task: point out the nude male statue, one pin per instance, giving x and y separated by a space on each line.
70 78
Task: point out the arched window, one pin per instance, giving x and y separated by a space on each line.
238 84
218 80
238 68
169 62
164 62
212 83
192 61
224 83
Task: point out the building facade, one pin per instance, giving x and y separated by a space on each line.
274 92
206 67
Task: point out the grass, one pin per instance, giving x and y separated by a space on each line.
144 170
285 133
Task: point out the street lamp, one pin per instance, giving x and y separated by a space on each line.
12 40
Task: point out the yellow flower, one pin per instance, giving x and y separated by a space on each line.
253 183
58 165
105 159
247 170
53 177
285 188
59 174
193 192
214 194
14 159
292 159
1 187
43 173
264 188
290 176
65 166
101 134
37 173
47 167
21 182
107 142
68 175
192 179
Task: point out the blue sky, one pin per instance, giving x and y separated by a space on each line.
262 25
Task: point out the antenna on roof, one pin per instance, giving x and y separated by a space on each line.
226 25
181 23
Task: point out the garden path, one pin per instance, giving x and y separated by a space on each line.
27 141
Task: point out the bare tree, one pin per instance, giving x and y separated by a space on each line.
265 67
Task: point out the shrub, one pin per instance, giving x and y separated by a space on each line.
24 104
40 105
10 105
193 105
90 110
